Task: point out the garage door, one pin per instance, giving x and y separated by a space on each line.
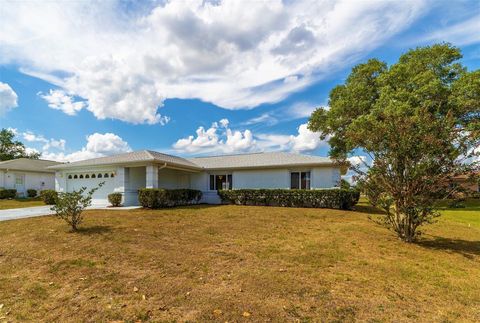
77 181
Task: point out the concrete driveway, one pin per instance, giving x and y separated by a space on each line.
29 212
26 212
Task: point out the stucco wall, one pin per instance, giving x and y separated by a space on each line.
265 178
32 180
173 179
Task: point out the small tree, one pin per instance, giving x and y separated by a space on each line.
69 206
13 149
418 120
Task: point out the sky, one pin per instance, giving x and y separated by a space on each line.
84 79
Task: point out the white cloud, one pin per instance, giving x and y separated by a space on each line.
47 143
216 139
265 118
8 98
223 139
463 33
59 100
98 145
228 53
357 160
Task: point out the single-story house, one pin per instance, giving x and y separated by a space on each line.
23 174
126 173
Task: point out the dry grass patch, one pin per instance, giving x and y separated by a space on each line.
20 203
234 263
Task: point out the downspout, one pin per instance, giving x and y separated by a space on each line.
162 167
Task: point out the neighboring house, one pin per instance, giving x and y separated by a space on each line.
126 173
470 183
23 174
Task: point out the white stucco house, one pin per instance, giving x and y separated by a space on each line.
23 174
126 173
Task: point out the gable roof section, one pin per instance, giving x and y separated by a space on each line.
131 158
29 165
260 160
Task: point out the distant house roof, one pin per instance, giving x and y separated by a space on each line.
259 160
240 161
29 165
131 158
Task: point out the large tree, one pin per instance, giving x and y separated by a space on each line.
418 120
13 149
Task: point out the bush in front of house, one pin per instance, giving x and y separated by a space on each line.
115 199
8 193
154 198
69 206
49 197
31 193
325 198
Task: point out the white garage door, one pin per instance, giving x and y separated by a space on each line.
77 181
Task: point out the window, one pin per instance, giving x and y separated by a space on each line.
81 176
75 176
300 180
87 176
99 176
105 176
221 182
69 176
112 175
19 180
93 176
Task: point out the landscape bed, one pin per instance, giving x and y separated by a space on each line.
239 263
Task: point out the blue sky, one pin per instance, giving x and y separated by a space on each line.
81 80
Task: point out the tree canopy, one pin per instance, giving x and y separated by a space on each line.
13 149
418 120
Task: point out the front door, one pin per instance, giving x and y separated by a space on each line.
20 184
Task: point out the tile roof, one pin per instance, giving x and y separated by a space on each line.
253 160
26 164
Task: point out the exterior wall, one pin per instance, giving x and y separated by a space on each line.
264 178
173 179
129 179
32 180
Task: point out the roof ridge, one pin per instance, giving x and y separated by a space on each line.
226 155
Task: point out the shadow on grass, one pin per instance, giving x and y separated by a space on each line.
96 229
367 209
466 248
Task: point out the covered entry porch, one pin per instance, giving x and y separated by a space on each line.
130 179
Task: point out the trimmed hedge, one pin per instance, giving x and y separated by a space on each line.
49 197
115 199
325 198
154 198
31 192
8 193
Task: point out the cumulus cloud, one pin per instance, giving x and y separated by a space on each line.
59 100
228 53
222 139
8 98
47 143
98 145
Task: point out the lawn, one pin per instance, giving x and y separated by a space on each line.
239 263
19 203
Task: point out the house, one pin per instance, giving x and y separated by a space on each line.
23 174
126 173
467 183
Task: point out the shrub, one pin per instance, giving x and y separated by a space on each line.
8 193
31 193
115 199
154 198
328 198
49 197
69 206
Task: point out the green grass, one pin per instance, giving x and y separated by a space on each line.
213 263
20 203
